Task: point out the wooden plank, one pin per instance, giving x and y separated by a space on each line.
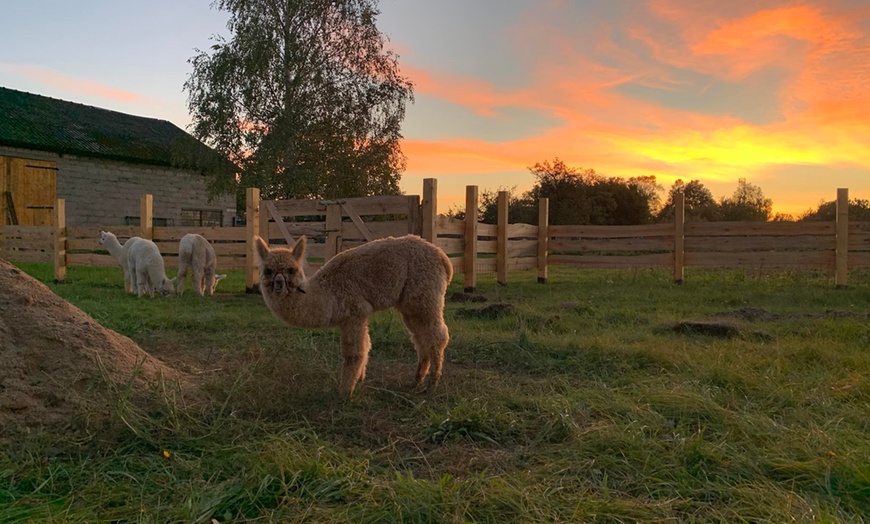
122 232
761 243
294 208
759 228
59 259
471 232
168 234
859 260
613 262
90 259
378 205
26 256
429 209
146 216
36 233
82 244
29 244
679 246
543 239
229 249
350 232
522 248
842 250
333 231
859 228
773 260
522 231
502 238
859 241
487 230
252 229
446 225
585 231
349 210
487 247
451 245
612 244
297 229
415 216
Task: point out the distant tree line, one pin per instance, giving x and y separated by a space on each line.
583 196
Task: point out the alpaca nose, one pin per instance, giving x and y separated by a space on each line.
279 283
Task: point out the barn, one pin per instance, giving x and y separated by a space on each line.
100 162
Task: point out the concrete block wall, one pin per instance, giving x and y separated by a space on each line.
104 192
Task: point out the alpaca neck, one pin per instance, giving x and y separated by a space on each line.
114 247
310 309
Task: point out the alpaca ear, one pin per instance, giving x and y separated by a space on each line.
262 249
299 248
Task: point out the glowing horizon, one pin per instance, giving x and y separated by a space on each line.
773 95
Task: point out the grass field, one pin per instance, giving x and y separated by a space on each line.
579 404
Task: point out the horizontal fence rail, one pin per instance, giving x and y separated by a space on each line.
332 226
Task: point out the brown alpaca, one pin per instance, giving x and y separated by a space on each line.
406 273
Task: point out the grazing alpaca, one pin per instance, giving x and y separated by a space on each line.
110 242
195 253
406 273
147 269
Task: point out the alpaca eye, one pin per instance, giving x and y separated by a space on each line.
268 272
291 270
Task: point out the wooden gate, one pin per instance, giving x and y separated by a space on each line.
29 191
335 225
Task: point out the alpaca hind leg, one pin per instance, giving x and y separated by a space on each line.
355 346
198 281
430 336
181 277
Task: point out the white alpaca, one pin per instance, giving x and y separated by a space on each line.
405 273
147 269
111 243
195 253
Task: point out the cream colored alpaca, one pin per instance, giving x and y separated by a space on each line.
406 273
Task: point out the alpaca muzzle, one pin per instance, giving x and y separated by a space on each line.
279 284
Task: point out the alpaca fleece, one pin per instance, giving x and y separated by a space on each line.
405 273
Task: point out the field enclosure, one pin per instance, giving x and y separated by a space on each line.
332 226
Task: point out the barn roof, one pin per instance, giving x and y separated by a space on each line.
39 122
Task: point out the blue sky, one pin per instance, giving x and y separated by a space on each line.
776 92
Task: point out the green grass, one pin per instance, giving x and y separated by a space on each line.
579 405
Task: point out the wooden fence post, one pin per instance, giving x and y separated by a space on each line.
146 216
679 237
842 253
263 228
430 209
59 240
502 238
252 225
333 231
470 270
543 238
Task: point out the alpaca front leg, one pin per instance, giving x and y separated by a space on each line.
355 346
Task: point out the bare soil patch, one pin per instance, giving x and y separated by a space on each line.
58 364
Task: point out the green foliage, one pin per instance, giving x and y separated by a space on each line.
700 206
859 210
305 98
578 406
747 204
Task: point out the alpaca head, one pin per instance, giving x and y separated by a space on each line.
166 287
104 236
280 268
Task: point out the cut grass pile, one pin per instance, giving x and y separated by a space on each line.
580 403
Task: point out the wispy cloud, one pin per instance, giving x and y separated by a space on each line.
51 78
618 91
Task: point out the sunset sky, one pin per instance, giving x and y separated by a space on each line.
776 92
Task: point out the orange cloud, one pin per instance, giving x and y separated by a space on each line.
67 83
819 51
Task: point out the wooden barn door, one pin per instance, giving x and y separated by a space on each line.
29 191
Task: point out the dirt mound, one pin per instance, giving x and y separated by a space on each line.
57 362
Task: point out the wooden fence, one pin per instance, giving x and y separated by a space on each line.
333 226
